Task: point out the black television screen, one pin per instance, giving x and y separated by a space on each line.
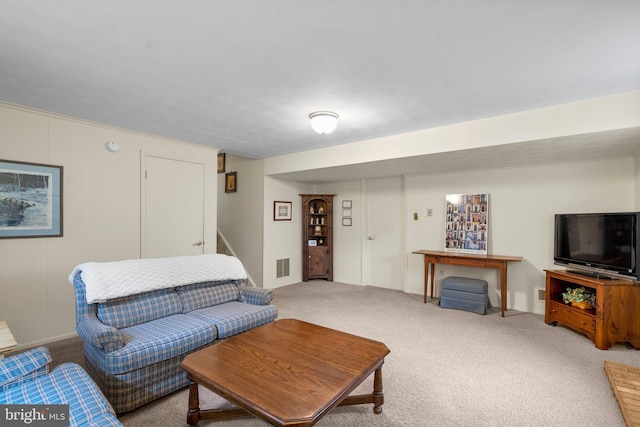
603 243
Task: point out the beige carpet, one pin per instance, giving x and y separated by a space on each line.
446 367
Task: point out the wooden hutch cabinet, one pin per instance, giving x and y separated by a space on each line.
317 236
615 317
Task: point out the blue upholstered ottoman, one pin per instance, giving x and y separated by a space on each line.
463 293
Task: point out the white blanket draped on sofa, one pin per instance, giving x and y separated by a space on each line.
107 280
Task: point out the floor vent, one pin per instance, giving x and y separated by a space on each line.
282 267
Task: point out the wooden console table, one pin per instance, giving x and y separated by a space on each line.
468 260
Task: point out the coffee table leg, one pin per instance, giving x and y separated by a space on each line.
378 397
193 416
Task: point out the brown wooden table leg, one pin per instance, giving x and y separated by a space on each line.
426 277
378 397
503 287
193 416
433 275
196 414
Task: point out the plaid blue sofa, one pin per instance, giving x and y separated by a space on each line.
25 380
134 345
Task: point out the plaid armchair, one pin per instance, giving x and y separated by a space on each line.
25 380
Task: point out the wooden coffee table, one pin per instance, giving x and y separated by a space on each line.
288 373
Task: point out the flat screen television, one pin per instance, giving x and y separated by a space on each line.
600 244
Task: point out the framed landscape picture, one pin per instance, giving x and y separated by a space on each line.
30 200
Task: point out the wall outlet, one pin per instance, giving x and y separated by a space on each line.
429 212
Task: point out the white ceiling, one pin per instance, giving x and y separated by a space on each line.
244 75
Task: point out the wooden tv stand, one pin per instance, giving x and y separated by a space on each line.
614 319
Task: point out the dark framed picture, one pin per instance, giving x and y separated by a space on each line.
346 222
231 182
221 162
281 211
30 200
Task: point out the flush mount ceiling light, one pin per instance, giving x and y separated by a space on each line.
323 122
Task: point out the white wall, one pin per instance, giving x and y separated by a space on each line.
283 239
241 215
101 210
347 241
522 202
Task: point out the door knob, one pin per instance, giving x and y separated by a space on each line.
198 243
370 237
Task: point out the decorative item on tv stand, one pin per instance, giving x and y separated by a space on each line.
579 297
317 236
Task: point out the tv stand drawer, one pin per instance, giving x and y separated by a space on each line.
574 318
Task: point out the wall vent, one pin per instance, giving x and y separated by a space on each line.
542 294
282 267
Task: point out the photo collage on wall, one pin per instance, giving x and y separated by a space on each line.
467 219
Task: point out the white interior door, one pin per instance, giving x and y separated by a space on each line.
384 233
172 207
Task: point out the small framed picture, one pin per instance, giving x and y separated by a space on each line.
221 162
346 204
346 212
313 242
231 182
346 222
281 211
